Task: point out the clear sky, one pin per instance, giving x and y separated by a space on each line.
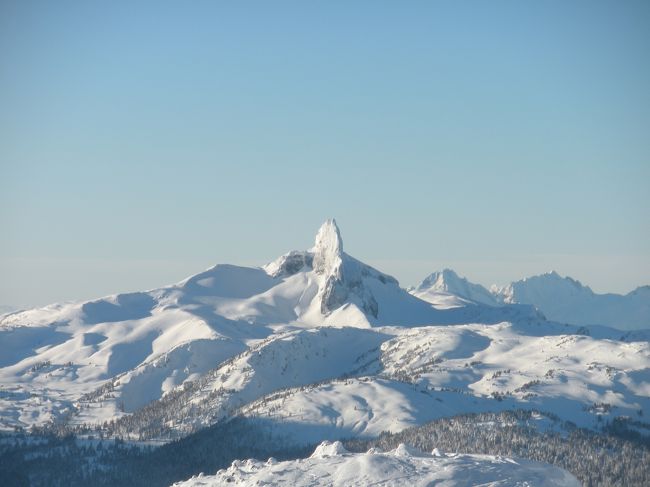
143 142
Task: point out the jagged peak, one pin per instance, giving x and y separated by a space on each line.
549 275
342 278
328 249
554 276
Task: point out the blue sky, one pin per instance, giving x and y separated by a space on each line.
142 143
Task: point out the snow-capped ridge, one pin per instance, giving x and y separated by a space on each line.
558 298
540 283
449 283
567 300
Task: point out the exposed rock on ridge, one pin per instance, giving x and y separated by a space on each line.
344 281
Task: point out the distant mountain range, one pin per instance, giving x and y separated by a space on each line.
560 299
318 345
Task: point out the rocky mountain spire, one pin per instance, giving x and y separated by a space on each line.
328 249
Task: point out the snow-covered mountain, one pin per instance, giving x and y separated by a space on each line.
446 289
567 300
560 299
315 345
136 347
332 465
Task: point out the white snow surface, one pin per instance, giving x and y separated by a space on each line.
332 465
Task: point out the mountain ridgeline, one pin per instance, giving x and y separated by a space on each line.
560 299
316 346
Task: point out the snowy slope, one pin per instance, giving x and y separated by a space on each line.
336 382
431 372
332 465
295 358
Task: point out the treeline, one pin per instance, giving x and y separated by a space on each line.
596 459
57 461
